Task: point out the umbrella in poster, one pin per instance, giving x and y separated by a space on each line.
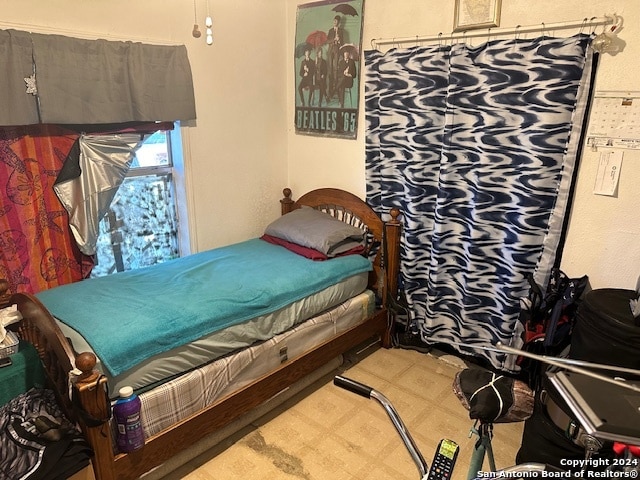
320 107
345 9
352 49
301 48
317 38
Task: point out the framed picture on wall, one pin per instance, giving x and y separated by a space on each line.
474 14
327 65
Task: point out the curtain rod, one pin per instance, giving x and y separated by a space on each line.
488 32
80 34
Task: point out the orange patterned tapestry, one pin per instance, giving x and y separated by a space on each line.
37 249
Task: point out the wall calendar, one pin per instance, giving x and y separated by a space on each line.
614 121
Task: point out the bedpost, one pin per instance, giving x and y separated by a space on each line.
286 204
393 228
5 295
392 244
91 402
95 411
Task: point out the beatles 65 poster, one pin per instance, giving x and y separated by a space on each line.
327 67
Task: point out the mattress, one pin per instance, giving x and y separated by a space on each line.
130 316
184 396
167 365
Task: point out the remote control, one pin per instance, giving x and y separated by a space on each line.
444 460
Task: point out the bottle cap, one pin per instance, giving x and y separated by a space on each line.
125 392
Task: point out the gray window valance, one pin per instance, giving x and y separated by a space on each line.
92 81
17 107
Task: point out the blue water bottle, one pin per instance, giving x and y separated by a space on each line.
126 412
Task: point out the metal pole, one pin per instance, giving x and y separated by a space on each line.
542 28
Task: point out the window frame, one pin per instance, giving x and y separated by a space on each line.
175 174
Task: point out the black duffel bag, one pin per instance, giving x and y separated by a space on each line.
605 330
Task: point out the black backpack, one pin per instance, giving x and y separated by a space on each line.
548 319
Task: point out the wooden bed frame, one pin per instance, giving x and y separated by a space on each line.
90 407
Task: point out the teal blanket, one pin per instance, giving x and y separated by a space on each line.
131 316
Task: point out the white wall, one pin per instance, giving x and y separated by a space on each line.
237 149
604 234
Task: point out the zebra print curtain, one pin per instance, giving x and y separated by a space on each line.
477 146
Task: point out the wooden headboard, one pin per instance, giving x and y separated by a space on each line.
384 236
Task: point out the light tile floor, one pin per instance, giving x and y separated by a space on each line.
329 433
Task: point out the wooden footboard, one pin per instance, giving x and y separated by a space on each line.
91 406
40 329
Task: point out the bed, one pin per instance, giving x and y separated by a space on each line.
230 385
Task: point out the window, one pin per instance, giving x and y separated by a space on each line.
142 225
